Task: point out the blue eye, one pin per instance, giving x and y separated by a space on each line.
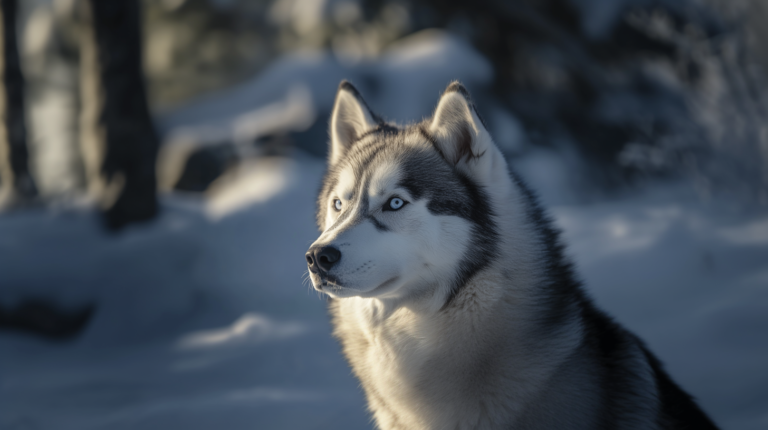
395 203
337 204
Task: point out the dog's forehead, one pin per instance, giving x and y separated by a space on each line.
384 177
380 176
347 181
379 161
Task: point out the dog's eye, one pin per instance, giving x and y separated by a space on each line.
395 203
337 204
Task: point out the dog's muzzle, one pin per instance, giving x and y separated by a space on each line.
321 259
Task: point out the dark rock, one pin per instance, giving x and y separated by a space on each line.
42 318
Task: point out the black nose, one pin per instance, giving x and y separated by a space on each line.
322 258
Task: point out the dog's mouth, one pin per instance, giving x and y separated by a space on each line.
328 282
334 287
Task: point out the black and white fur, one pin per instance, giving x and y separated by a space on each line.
451 296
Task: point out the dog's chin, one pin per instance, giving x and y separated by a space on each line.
350 290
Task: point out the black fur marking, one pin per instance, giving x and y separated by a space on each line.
346 85
483 249
383 128
379 226
451 192
457 87
364 211
464 145
343 216
431 139
679 410
365 200
373 150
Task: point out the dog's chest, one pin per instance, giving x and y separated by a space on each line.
408 372
398 355
409 354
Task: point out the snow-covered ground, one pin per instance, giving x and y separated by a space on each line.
204 322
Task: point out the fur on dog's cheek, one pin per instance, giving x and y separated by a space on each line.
418 238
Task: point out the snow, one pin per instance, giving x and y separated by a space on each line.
249 328
204 321
235 190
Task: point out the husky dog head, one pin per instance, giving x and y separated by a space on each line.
407 212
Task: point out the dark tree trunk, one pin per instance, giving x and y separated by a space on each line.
16 184
119 140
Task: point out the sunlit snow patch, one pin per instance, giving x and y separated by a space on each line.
249 328
277 394
251 182
294 112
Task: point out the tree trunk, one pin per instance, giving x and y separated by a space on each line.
118 138
16 184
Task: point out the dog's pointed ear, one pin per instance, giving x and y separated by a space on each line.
349 120
457 130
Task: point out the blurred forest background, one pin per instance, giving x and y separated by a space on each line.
632 88
159 159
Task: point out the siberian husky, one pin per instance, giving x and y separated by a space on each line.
450 294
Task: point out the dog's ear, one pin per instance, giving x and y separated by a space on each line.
349 120
460 135
457 129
